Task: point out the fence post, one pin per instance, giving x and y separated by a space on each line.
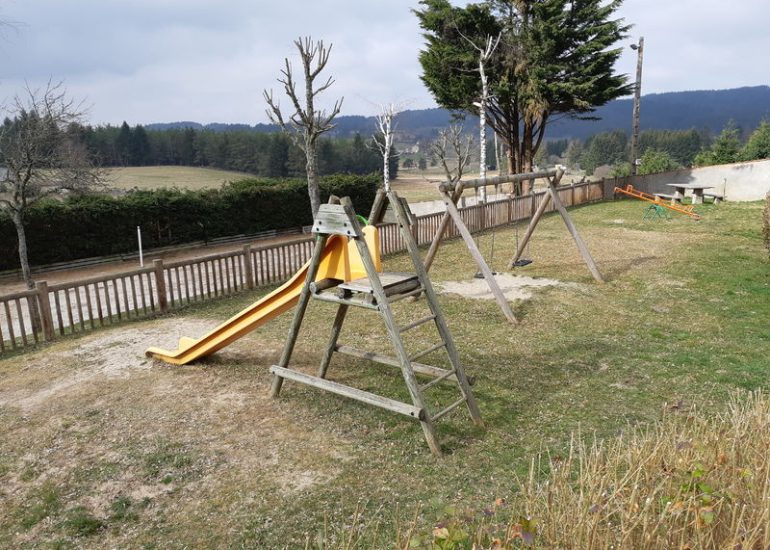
44 310
160 285
248 270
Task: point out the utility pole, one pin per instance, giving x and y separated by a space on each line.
637 99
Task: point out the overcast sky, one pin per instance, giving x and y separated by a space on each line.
149 61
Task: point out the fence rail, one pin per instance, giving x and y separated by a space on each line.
49 312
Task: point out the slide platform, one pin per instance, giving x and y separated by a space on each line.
339 260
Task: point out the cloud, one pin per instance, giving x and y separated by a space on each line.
162 60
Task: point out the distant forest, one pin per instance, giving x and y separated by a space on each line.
681 124
271 155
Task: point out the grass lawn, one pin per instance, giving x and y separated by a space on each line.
100 447
183 177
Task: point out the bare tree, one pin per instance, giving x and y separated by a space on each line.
485 53
306 124
452 151
41 158
384 141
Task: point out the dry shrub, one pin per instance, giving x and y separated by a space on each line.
689 482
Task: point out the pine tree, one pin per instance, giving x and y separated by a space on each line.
758 145
556 58
725 149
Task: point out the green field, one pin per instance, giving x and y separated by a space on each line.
100 447
182 177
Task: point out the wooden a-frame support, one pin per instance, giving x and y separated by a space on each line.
451 193
376 292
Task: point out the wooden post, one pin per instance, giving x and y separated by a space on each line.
160 285
44 310
582 248
248 269
342 311
458 190
299 313
469 242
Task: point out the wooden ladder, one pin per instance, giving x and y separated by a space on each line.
376 292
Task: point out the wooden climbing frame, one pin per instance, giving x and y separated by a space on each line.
376 292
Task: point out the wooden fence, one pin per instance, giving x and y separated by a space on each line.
48 312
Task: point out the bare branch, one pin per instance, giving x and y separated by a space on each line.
305 124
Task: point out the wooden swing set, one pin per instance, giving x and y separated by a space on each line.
451 193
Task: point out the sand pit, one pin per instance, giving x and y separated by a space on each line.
514 287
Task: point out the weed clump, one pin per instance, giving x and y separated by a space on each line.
689 482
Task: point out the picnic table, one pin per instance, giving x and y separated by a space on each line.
696 188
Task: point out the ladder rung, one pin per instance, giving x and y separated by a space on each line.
419 368
397 297
427 351
417 323
437 380
347 391
449 409
324 297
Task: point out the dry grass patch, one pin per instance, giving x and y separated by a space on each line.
690 481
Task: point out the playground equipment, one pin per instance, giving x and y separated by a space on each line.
451 193
686 209
345 270
339 260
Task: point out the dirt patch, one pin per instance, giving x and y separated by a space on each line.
514 287
109 354
103 428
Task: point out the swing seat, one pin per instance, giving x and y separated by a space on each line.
521 263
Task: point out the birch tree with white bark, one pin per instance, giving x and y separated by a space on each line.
384 141
306 124
485 53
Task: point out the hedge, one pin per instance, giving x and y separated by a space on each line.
99 225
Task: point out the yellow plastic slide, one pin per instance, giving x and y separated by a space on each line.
339 260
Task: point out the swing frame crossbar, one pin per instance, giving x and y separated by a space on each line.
451 191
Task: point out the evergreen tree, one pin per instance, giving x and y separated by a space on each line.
654 161
139 146
123 144
277 157
574 152
758 145
726 148
556 58
606 148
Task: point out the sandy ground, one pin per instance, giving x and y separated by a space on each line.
514 287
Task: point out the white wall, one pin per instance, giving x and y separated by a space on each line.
742 181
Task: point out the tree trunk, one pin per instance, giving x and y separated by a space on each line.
311 168
386 166
483 130
527 156
18 222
